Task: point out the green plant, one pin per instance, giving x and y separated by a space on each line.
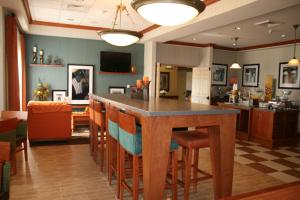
41 93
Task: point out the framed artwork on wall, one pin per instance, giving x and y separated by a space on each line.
116 90
80 83
289 76
250 76
219 74
165 81
59 95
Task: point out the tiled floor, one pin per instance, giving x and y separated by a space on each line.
282 163
68 172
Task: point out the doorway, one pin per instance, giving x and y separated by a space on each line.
174 82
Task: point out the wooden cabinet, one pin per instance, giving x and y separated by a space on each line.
271 128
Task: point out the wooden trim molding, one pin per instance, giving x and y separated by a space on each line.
269 45
215 46
42 23
27 10
189 44
150 28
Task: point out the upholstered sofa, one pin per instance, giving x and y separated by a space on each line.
49 120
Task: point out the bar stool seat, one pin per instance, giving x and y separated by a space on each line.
191 141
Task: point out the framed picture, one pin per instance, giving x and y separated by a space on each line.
289 77
59 95
116 90
80 83
165 81
250 75
219 74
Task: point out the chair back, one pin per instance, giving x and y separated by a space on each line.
91 109
130 137
127 122
99 114
8 131
113 127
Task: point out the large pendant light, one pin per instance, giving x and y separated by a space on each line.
294 61
235 65
168 12
120 37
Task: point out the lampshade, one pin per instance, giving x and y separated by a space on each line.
120 37
235 66
294 62
168 12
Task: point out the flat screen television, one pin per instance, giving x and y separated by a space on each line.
115 61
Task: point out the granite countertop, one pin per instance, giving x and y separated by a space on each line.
162 107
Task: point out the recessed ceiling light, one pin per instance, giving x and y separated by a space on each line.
283 35
194 39
237 28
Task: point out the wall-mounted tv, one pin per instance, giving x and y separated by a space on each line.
115 61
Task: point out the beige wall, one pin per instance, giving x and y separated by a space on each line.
173 80
2 62
269 60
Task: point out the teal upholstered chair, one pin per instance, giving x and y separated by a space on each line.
130 139
8 131
4 170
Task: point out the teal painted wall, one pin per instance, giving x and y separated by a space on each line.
77 51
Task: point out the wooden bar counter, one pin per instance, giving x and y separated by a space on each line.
158 117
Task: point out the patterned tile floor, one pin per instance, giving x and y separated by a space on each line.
282 163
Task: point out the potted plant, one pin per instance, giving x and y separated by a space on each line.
41 93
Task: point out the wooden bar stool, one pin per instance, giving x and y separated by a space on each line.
113 145
130 139
191 141
99 139
91 124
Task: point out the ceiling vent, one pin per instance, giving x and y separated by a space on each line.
268 23
76 7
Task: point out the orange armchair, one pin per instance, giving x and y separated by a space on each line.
49 121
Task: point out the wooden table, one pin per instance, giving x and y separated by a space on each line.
158 117
14 114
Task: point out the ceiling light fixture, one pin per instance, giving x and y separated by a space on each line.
168 12
120 37
235 65
294 61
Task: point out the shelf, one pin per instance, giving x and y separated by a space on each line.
129 73
46 65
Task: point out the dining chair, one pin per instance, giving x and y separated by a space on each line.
8 134
21 138
4 170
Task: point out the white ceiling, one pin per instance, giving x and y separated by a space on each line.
97 13
251 34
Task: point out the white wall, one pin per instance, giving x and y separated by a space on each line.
150 64
2 62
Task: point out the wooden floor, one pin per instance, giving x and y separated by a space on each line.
68 172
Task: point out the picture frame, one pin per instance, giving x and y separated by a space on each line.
80 83
59 95
165 81
219 74
250 76
116 90
289 76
